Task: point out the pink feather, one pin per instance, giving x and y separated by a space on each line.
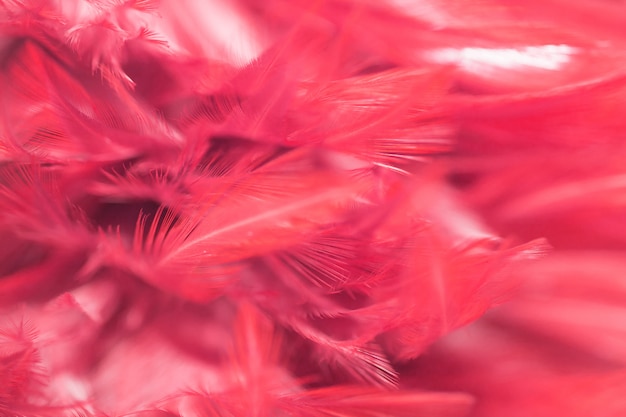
331 208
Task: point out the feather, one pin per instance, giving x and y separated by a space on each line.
22 373
143 5
214 30
581 302
289 208
356 401
381 117
527 367
362 362
183 251
59 109
583 158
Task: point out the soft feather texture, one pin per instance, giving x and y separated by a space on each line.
289 208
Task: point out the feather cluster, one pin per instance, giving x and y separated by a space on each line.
285 208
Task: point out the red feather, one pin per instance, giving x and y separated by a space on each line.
291 208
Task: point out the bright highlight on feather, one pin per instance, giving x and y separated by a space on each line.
549 57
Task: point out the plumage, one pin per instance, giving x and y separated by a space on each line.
290 208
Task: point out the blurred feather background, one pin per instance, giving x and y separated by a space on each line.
312 208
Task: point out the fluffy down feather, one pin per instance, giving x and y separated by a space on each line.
289 208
